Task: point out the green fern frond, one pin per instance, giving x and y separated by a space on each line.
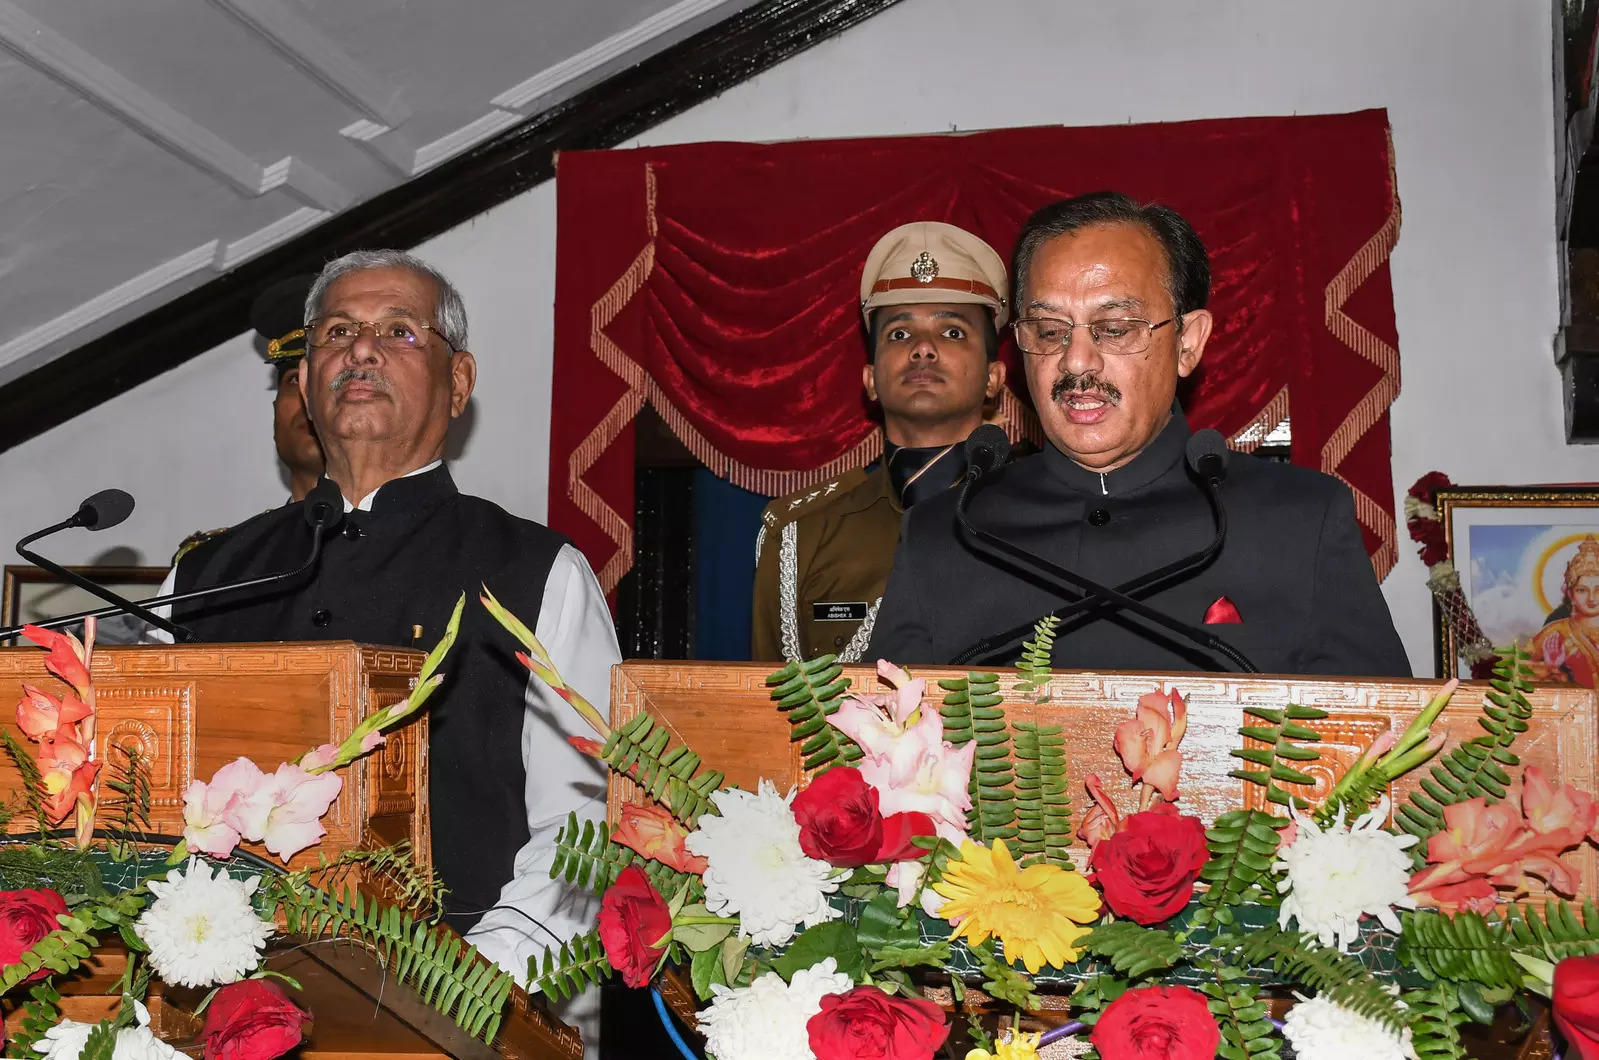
1242 845
446 973
1002 981
1242 1017
1132 949
101 1043
412 887
809 693
61 868
1286 742
584 855
577 965
668 775
32 785
1337 976
971 712
128 805
1468 947
39 1014
1435 1018
1043 807
1476 768
1034 663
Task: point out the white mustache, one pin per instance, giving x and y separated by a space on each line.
359 375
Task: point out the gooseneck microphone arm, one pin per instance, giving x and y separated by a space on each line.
104 509
995 545
985 649
321 513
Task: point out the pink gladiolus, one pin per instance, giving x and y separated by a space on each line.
206 827
1162 773
284 810
934 783
1149 740
1559 813
40 714
319 757
372 741
1379 747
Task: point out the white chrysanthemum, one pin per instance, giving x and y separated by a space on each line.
65 1041
757 870
766 1020
201 929
1318 1029
1336 876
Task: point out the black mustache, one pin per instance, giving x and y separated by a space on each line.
1070 382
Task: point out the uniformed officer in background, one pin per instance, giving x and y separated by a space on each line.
933 297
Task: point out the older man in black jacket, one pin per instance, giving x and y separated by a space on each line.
1110 300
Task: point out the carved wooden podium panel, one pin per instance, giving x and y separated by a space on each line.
725 713
189 710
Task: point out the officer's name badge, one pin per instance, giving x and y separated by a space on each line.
839 611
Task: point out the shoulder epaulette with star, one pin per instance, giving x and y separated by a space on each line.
194 540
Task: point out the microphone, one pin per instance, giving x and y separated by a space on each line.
1096 593
986 448
324 511
99 512
1207 454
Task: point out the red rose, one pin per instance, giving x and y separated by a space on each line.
1148 869
868 1024
840 822
1157 1023
1576 1004
633 917
1428 485
252 1019
25 918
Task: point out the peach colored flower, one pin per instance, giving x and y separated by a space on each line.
68 657
65 772
1147 742
39 714
1102 821
655 833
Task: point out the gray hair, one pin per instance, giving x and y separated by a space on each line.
449 315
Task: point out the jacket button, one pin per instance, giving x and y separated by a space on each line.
1099 516
321 617
838 642
352 531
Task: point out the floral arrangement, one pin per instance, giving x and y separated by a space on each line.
932 846
203 912
1427 530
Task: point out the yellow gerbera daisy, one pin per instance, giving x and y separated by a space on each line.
1019 1046
1037 913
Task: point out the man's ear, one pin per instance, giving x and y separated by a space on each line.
463 377
1191 341
303 381
996 378
869 381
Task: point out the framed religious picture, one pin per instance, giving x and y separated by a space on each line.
31 594
1528 561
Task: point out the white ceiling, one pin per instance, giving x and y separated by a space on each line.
148 145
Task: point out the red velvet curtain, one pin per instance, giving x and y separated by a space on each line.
718 282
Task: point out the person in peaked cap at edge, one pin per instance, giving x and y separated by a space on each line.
933 297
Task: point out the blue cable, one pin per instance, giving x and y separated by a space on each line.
671 1028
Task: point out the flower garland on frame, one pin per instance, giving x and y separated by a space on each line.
1427 530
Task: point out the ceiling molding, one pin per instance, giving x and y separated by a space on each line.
241 250
474 132
521 96
303 43
614 111
140 109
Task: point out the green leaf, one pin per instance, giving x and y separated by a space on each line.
733 950
705 969
1002 981
835 938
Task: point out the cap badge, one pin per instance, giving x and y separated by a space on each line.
924 268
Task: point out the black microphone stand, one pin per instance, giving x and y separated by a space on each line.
179 633
1061 576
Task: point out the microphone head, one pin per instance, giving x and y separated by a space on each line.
324 505
105 509
986 448
1207 454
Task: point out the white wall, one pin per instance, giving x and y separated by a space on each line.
1467 85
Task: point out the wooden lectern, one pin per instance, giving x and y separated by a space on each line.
189 710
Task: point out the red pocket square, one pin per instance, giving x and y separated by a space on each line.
1222 612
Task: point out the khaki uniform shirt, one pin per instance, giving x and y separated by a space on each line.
821 562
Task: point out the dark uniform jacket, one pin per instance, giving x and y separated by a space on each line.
1293 567
382 573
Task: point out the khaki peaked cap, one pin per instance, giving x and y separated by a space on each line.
929 261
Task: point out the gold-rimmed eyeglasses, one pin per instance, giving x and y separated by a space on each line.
1119 336
393 334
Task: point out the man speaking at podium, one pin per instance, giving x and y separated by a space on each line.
1110 301
385 372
